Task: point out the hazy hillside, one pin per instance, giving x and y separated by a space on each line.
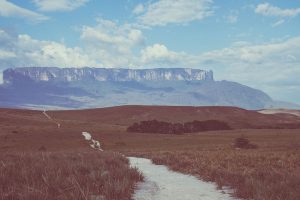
126 115
99 87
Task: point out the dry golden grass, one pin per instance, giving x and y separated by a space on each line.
269 172
85 175
253 174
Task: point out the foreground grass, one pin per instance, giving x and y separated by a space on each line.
44 175
253 174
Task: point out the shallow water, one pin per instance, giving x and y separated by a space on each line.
163 184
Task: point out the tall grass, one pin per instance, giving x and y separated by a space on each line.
253 174
44 175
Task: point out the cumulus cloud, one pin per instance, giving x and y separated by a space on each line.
8 9
6 54
46 53
105 45
157 52
265 66
165 12
138 9
260 57
267 9
278 23
111 43
59 5
22 51
160 56
232 17
273 67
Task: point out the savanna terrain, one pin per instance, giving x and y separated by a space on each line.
30 142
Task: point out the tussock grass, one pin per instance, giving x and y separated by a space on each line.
46 175
253 174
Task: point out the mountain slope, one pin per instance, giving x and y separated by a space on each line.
100 87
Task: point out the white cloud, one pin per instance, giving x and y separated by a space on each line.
278 23
22 51
273 67
165 12
239 59
232 17
157 52
105 45
8 9
267 9
46 53
59 5
265 66
159 55
111 43
279 50
138 9
6 54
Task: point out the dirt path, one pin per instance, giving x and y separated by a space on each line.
51 119
163 184
95 144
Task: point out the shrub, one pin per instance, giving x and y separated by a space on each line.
154 126
243 143
42 148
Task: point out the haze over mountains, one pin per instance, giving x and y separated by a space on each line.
52 87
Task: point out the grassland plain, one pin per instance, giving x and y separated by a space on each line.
252 174
266 173
69 175
270 172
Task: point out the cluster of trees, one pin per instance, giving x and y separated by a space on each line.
154 126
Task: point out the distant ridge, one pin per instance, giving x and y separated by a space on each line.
106 74
73 88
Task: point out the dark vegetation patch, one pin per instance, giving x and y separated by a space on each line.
243 143
161 127
42 148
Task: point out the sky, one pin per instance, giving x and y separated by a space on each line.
256 43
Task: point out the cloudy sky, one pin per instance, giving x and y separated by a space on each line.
256 43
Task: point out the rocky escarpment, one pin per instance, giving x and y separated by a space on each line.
53 87
105 74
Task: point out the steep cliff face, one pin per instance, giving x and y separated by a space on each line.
100 87
105 74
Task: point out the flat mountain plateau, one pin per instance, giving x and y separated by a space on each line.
82 88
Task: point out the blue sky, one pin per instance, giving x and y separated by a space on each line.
256 43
